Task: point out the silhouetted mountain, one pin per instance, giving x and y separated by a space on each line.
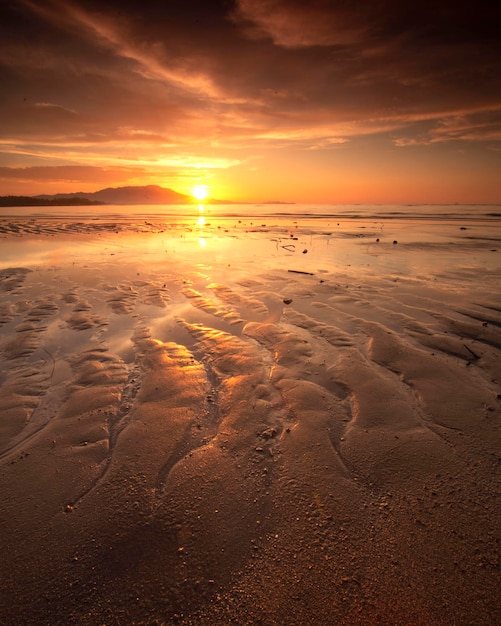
149 194
13 201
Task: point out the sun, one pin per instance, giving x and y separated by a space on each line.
200 192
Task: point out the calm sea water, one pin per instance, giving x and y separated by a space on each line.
455 245
310 211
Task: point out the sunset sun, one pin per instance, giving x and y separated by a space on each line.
200 192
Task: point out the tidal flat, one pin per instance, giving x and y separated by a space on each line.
250 420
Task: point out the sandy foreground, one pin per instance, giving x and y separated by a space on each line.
242 422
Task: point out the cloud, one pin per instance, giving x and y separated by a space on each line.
478 126
69 173
299 24
482 125
160 166
124 82
186 72
118 34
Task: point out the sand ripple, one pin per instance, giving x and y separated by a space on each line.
184 443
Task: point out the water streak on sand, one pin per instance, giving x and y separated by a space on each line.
198 434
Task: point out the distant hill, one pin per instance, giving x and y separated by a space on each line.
8 201
149 194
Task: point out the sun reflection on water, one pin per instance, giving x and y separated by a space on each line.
201 224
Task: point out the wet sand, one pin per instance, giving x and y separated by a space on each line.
236 422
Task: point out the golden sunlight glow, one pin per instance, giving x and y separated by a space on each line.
200 192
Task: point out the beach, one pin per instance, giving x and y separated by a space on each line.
250 419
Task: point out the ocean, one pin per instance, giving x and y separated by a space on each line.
300 211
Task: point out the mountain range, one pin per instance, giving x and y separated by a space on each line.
149 194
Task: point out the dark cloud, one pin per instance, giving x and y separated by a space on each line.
372 58
299 24
293 23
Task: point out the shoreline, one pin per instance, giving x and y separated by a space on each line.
314 211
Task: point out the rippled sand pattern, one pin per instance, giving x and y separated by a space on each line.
209 426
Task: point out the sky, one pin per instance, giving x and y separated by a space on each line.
324 101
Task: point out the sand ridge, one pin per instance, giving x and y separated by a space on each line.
192 433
